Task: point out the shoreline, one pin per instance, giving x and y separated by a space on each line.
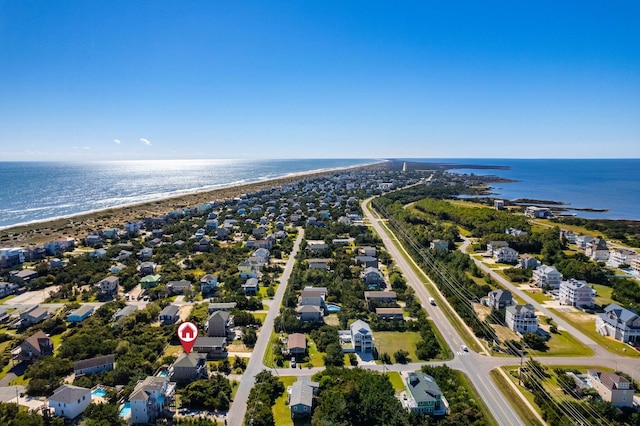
78 225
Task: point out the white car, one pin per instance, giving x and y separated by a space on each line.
465 348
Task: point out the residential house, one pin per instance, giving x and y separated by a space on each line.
56 263
80 314
314 292
221 306
34 347
169 315
4 315
93 239
124 312
10 257
367 261
635 265
493 246
583 240
22 276
317 245
301 398
249 268
621 256
34 315
439 245
505 255
367 251
189 367
94 365
309 313
145 254
322 264
117 268
612 387
597 250
8 288
361 336
108 285
98 253
208 283
69 401
297 344
150 281
380 296
620 323
123 255
547 276
147 268
521 318
150 397
498 204
528 262
250 287
179 287
219 324
576 293
515 232
202 245
499 299
390 313
424 395
213 347
373 278
567 235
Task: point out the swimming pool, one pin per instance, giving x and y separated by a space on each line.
99 392
333 308
164 373
125 411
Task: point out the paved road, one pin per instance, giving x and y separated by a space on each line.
469 364
235 416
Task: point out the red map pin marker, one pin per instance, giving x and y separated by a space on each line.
187 333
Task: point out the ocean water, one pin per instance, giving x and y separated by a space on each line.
612 184
37 191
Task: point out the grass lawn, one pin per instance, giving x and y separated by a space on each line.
315 356
261 316
268 353
524 412
281 413
172 350
19 381
538 296
564 344
392 341
586 323
56 340
396 381
5 299
603 294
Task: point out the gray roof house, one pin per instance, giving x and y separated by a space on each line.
94 365
69 401
620 323
189 367
499 299
301 398
169 315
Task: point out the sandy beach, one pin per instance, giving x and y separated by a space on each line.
78 226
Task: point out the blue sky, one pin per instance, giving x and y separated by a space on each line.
89 80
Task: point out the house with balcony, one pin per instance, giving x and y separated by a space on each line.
317 245
34 315
620 323
124 312
179 287
302 397
150 281
373 278
361 336
597 250
33 347
212 347
309 313
297 344
169 315
611 387
521 318
547 276
69 401
527 261
108 285
208 283
576 293
505 255
424 395
499 299
219 324
189 367
622 256
150 398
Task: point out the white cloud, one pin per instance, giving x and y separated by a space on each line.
86 147
145 141
117 141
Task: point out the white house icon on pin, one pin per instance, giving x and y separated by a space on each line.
187 333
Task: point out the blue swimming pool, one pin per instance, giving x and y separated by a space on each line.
99 392
333 308
164 373
125 411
